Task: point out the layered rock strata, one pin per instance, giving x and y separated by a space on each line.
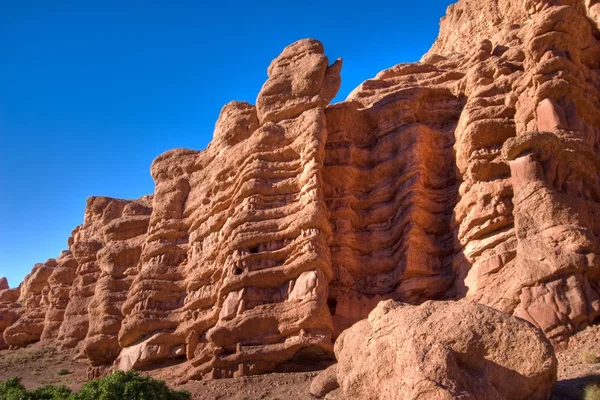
9 312
123 238
472 173
32 306
236 264
390 189
60 282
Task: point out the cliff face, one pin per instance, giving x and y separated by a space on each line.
473 173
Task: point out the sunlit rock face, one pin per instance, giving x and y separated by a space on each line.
527 147
236 265
442 350
472 173
57 296
31 306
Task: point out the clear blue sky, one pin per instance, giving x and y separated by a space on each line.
92 91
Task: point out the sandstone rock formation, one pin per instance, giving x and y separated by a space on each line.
8 309
473 173
444 350
59 287
33 306
325 382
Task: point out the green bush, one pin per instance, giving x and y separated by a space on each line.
117 386
128 385
49 393
11 389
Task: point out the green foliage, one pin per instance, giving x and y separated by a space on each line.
128 385
49 392
117 386
11 389
591 392
63 371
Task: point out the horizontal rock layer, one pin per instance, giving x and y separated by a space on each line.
472 173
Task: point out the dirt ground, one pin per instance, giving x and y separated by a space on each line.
37 365
578 365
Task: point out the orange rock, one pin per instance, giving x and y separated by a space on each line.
118 260
59 287
325 382
472 173
33 305
444 350
9 308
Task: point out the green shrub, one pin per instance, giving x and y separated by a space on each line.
11 389
116 386
591 392
128 385
63 371
49 392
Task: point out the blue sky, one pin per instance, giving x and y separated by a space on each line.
92 91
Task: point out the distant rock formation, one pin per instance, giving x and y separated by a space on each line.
473 173
8 309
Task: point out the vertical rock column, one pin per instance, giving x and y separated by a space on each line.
118 261
557 223
485 241
211 204
59 285
9 310
153 305
88 240
555 163
259 244
390 188
33 301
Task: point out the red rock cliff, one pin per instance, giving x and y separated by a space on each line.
473 173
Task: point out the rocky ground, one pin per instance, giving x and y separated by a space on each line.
37 365
578 366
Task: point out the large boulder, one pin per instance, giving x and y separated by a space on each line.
444 350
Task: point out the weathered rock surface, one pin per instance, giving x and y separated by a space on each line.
325 382
473 173
9 312
444 350
59 287
94 270
33 304
123 239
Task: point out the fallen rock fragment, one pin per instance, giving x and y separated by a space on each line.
325 382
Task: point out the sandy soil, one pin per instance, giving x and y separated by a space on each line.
37 365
